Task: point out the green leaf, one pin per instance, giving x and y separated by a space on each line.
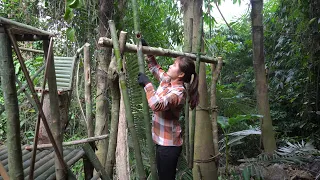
312 20
246 174
70 34
68 14
75 4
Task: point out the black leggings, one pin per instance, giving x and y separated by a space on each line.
167 159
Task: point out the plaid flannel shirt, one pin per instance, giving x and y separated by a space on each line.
166 102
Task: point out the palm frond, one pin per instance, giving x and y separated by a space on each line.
292 149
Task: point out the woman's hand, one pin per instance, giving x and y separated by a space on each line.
143 79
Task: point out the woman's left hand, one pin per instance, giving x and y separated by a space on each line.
143 79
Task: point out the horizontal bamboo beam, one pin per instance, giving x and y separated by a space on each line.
25 27
31 50
131 48
81 141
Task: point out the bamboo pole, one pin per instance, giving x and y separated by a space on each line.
145 106
188 48
12 108
125 94
70 143
31 50
131 48
192 133
216 69
113 77
87 89
34 94
95 162
88 168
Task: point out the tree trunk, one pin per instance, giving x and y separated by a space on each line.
103 61
63 99
55 113
11 108
315 55
267 133
204 166
203 144
122 153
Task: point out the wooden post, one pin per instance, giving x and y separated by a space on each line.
11 107
54 112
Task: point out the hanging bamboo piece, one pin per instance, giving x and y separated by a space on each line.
131 48
215 69
12 108
145 106
192 132
125 94
95 161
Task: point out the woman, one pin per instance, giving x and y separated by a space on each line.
167 103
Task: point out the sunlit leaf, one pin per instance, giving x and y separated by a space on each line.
70 34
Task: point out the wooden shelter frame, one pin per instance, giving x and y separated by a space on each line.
20 32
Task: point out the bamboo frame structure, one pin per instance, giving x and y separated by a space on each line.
18 31
125 94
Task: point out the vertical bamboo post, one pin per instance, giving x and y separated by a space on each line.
216 69
88 167
87 89
54 112
145 106
113 77
125 94
11 107
188 49
194 110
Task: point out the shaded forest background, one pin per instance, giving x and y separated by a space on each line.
291 54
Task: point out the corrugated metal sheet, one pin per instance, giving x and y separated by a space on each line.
44 165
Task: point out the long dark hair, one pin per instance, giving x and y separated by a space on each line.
187 66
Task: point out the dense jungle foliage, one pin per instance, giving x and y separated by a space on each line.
291 56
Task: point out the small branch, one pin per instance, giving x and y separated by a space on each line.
223 16
81 141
